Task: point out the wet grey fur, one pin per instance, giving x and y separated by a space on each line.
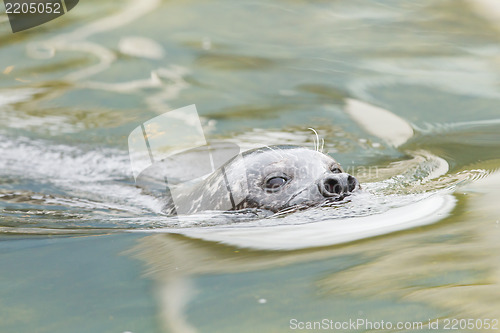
241 183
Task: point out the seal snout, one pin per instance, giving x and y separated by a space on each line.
336 185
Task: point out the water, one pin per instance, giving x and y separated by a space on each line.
82 249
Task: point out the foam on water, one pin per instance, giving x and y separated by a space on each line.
75 178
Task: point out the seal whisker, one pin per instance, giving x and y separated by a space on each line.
293 196
283 212
288 210
322 145
274 151
316 140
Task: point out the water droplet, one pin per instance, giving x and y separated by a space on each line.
262 301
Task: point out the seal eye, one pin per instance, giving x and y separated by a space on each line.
275 183
336 169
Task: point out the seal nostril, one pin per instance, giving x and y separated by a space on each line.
351 183
333 186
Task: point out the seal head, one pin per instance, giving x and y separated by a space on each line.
270 178
282 177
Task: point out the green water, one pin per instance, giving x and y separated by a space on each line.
72 90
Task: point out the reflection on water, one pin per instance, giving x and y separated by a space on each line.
72 90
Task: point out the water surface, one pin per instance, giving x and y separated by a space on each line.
72 90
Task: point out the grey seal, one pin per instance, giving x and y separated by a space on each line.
274 179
